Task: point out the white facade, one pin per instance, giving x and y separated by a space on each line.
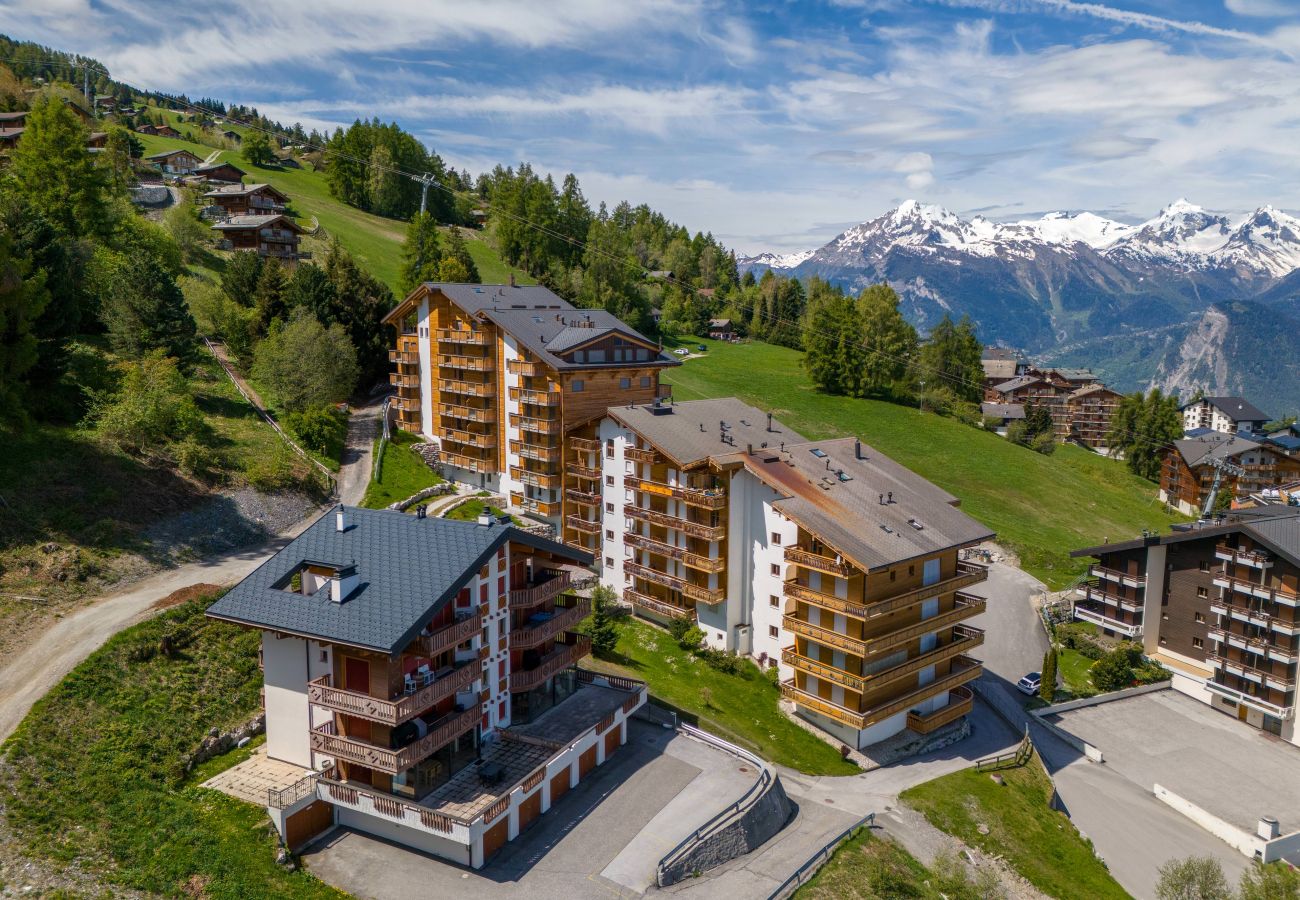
613 497
1204 414
288 663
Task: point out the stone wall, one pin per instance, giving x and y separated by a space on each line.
747 831
219 742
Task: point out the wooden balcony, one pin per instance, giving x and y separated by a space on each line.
637 454
404 381
524 367
551 664
964 670
552 583
466 461
1256 644
1275 593
451 636
537 426
404 357
1095 592
468 363
1104 616
964 640
463 336
1249 672
694 529
1118 577
536 398
655 605
533 505
398 709
1254 558
580 471
536 479
1244 613
695 561
960 701
538 452
467 388
809 560
968 573
584 445
824 636
486 415
471 438
705 498
967 606
791 657
564 619
793 590
325 739
583 498
696 592
586 526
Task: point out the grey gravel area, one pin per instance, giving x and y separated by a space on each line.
227 521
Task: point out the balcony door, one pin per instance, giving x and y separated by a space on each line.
356 675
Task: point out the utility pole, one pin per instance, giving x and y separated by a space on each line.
1220 466
424 181
922 392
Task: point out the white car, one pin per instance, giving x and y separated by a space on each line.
1030 683
681 351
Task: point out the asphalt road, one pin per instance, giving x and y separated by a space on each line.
1014 641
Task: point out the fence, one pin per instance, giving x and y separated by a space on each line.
283 798
377 470
330 481
820 858
1016 757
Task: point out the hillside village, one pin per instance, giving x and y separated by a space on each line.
385 541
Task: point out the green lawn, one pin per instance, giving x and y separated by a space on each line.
1074 667
402 473
741 708
1042 507
375 241
1038 842
875 868
469 512
97 779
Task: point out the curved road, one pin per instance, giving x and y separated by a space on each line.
32 673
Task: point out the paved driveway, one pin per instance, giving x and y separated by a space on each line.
1014 641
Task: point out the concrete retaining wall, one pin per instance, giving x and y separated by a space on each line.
1285 847
1103 698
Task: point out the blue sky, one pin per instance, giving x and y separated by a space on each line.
772 124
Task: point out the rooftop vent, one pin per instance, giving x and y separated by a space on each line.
343 582
485 519
915 524
818 452
886 529
340 518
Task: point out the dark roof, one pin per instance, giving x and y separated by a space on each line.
999 353
1016 384
240 223
1003 410
240 190
1214 445
1276 527
1284 439
476 297
845 510
219 165
1238 409
690 433
545 335
1075 374
13 116
408 568
719 323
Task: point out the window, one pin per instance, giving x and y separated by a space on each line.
609 480
1198 643
609 448
325 654
1200 617
609 507
624 383
1162 640
911 570
774 601
776 569
1204 565
776 538
645 379
609 562
892 574
577 385
1202 592
609 534
773 631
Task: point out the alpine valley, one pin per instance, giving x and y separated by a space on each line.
1188 299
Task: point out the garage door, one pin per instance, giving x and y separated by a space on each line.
611 741
530 809
587 761
307 823
495 837
559 786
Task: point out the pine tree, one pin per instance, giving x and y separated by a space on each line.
459 251
1047 688
889 338
951 359
23 297
239 280
144 310
601 629
421 253
55 174
269 299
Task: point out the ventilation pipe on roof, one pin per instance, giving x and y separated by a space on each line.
343 582
769 421
857 449
889 497
485 519
340 518
749 449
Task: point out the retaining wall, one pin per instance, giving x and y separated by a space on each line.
1103 698
1286 846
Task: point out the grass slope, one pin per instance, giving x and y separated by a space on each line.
96 771
375 241
1036 841
1041 506
867 867
401 473
741 708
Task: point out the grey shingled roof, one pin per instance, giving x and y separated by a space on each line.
220 165
848 515
572 336
238 190
1016 384
166 153
475 297
408 569
239 223
1003 410
1238 409
1276 527
545 333
677 433
1213 445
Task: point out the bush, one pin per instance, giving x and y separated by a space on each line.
197 459
151 406
321 429
721 661
1115 670
1078 636
693 638
1044 443
678 626
271 473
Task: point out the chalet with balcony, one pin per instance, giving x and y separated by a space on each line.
1249 466
422 671
1216 603
174 162
824 558
502 377
1080 405
222 173
1000 365
248 199
271 236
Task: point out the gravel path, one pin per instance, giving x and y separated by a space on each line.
359 450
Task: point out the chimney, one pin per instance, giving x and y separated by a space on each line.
1268 828
749 449
343 582
485 519
769 421
340 518
889 498
421 511
881 500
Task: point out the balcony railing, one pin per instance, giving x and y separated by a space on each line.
552 583
964 670
694 529
468 388
552 663
469 363
523 367
395 711
968 573
795 591
468 413
584 445
705 498
693 560
536 398
1098 614
581 471
1264 706
537 426
1277 594
1115 575
699 593
468 462
824 636
406 381
960 701
451 636
586 526
462 336
966 606
325 739
637 454
1253 673
536 479
585 498
472 438
563 620
1261 645
1095 592
655 605
810 560
404 357
533 505
1254 558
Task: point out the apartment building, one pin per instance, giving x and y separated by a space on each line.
1216 603
824 558
1249 466
1089 410
1081 406
500 376
423 671
1226 414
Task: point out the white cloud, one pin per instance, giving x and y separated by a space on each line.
1261 8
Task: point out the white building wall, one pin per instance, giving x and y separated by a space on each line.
752 520
425 327
613 499
508 407
285 664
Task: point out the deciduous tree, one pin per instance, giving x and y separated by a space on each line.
55 172
305 364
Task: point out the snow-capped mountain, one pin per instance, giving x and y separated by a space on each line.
1084 227
778 260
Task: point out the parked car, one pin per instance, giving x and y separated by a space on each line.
1030 683
701 348
681 351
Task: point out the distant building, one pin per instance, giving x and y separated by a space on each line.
221 173
1090 409
233 136
272 236
1188 469
1081 406
721 329
1003 414
248 199
175 162
1000 365
1226 414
